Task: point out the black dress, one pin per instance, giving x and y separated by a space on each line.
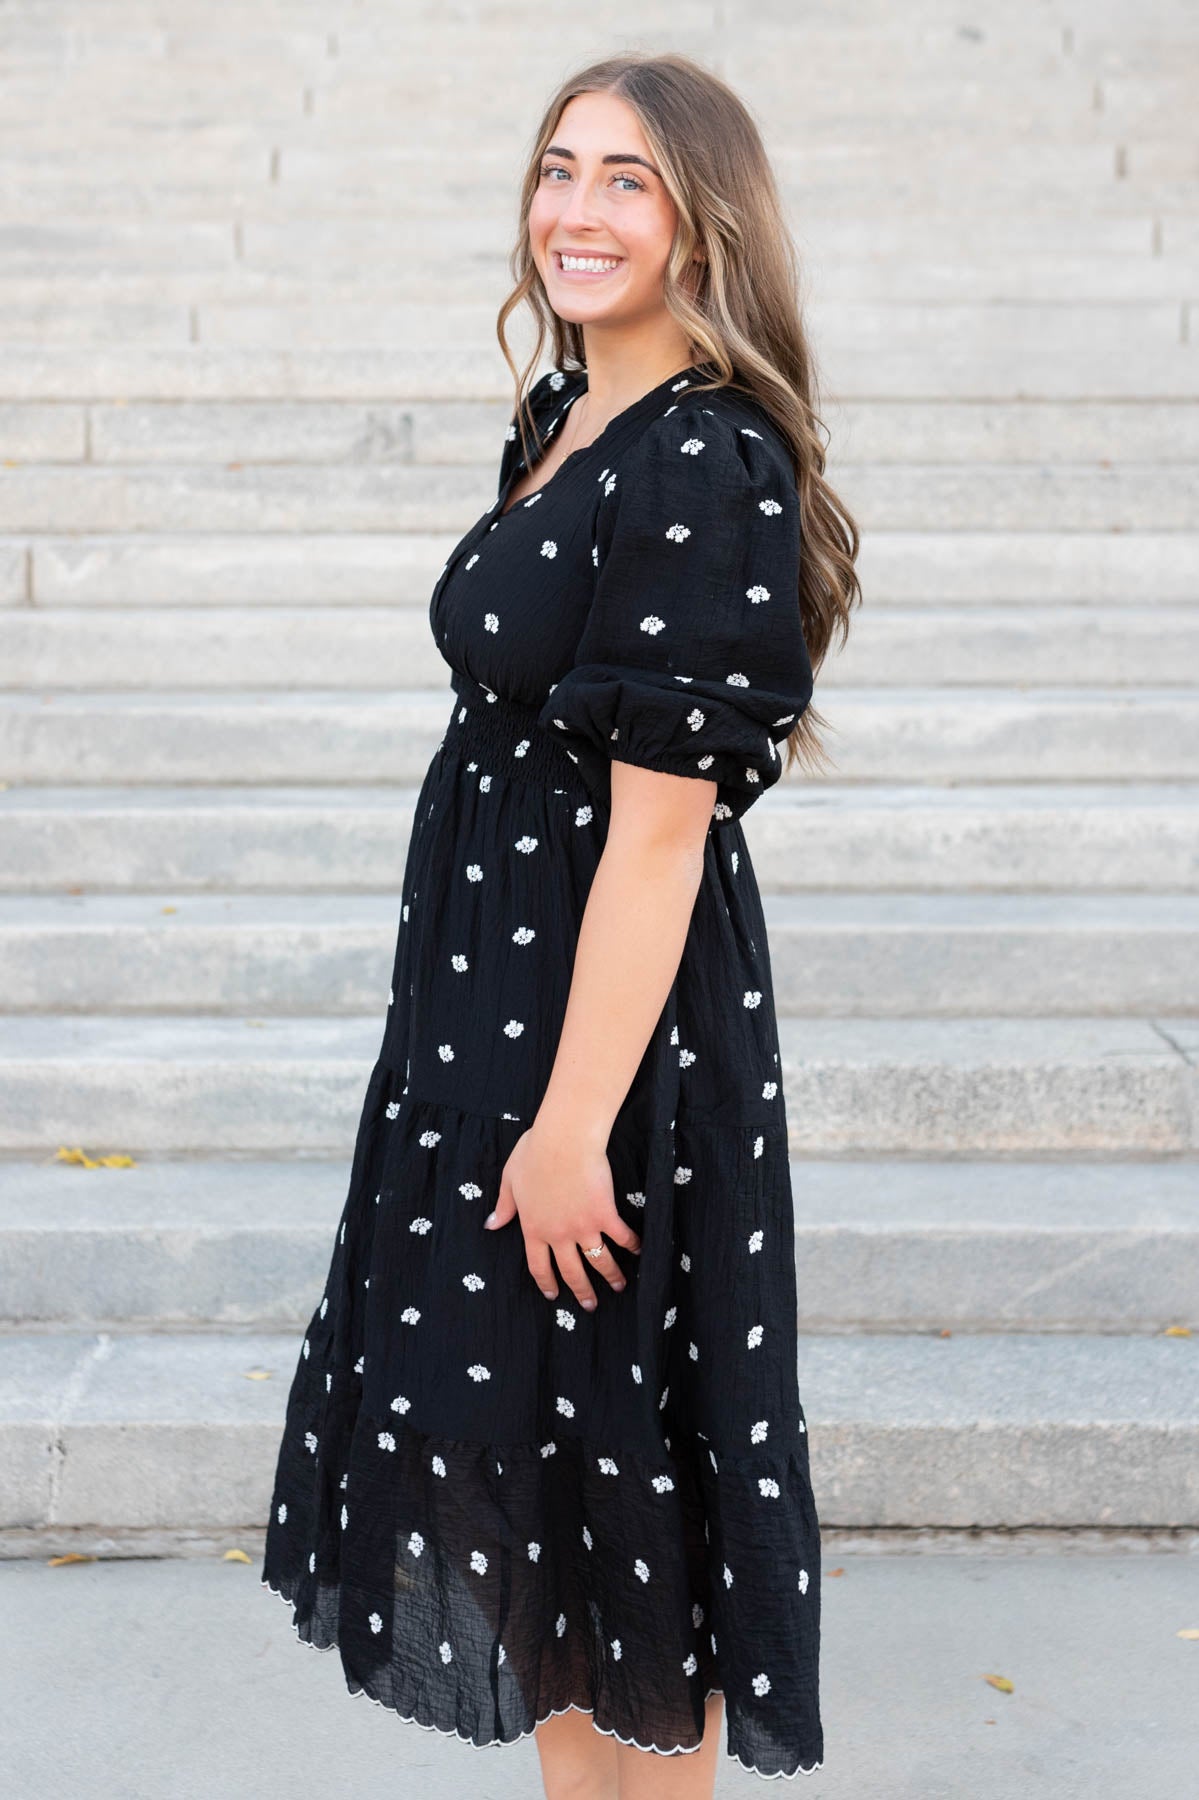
499 1506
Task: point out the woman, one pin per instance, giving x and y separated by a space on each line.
545 1466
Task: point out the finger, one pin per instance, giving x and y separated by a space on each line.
570 1267
537 1255
505 1207
607 1266
624 1234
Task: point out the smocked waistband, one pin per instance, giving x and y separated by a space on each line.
505 736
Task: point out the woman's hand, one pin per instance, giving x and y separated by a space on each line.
560 1184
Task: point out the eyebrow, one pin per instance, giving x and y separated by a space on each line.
561 150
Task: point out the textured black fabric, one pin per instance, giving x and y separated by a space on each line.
499 1506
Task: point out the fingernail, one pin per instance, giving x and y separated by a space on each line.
590 1305
618 1287
489 1221
549 1293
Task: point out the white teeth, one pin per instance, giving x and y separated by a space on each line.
594 263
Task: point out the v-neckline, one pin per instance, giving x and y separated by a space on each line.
625 414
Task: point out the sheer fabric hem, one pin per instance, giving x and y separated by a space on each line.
553 1713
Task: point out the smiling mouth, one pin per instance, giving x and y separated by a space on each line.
592 268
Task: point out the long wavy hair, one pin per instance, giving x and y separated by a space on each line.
740 306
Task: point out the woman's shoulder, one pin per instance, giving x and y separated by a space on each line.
719 436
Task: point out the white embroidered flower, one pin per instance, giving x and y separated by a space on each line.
549 548
595 555
513 1028
672 1313
757 594
386 1441
484 784
491 621
637 1373
345 1518
697 1614
705 762
524 934
565 1406
479 1372
636 1198
761 1684
375 1622
754 1337
312 1562
616 1648
695 718
510 434
640 1570
759 1145
420 1226
362 1358
444 1651
549 1449
607 1466
306 1344
427 1139
526 844
755 1242
393 1108
661 1484
560 1624
690 1665
438 1466
662 1401
583 815
769 507
328 1382
416 1543
746 432
675 386
678 533
681 1176
478 1562
400 1404
410 1315
802 1426
692 447
586 1537
310 1441
752 775
470 1190
728 1576
693 1352
281 1515
474 872
737 680
446 1052
532 500
768 1487
473 1282
757 1432
565 1319
534 1551
609 484
752 998
803 1581
712 1460
652 624
471 561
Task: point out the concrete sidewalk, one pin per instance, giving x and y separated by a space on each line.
181 1679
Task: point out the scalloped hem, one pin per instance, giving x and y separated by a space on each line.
554 1713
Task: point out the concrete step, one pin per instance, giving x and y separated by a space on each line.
1145 570
975 366
135 648
1003 839
112 1430
925 1087
334 497
463 432
833 955
880 1246
255 735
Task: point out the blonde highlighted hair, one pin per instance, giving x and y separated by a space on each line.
739 305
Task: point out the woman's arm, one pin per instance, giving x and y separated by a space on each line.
630 944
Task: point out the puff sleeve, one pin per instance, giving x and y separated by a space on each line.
692 660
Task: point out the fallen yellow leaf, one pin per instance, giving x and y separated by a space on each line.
1001 1682
71 1556
235 1556
168 909
1177 1331
834 1571
118 1160
1189 1631
258 1374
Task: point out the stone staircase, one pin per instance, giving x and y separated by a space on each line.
249 268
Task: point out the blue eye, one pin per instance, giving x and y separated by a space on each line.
557 169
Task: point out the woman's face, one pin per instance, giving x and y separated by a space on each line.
599 196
